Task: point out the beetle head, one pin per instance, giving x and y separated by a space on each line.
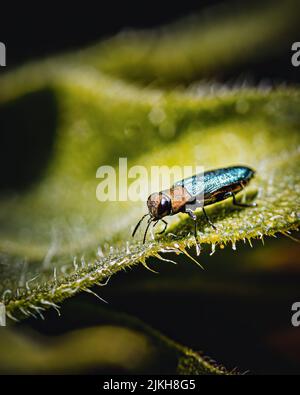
159 205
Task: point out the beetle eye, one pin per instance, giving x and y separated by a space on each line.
164 207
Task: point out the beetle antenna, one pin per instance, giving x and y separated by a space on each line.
145 234
138 224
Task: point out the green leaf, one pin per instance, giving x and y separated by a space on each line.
119 344
56 239
197 48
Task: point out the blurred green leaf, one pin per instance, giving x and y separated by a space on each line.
120 344
218 42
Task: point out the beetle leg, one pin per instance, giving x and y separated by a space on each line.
194 218
147 227
139 223
165 227
241 204
207 219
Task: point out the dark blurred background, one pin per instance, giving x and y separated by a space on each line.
33 31
41 30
